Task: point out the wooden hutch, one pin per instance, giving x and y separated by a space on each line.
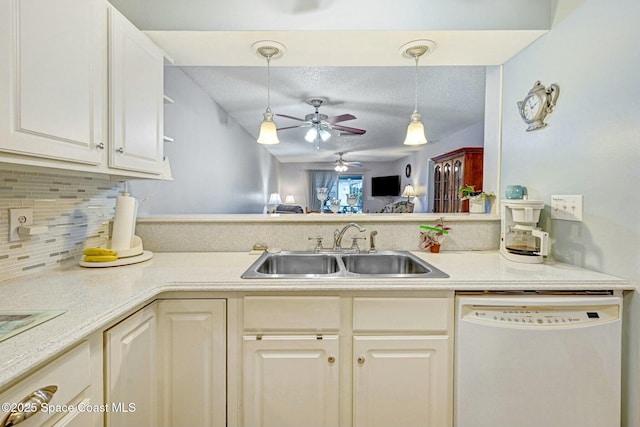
452 171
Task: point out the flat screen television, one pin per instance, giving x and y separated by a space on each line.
383 186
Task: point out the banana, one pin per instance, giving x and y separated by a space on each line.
99 251
100 258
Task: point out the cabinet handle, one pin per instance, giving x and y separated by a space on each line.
100 146
361 360
29 406
120 150
332 359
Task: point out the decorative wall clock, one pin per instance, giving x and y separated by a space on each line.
538 103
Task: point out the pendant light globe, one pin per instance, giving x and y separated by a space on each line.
415 131
268 134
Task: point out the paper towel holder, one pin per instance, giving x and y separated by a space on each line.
135 249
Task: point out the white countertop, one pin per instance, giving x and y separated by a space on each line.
94 297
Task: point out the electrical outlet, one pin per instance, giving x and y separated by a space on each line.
568 208
18 217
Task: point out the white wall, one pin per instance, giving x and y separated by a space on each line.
217 166
591 147
492 132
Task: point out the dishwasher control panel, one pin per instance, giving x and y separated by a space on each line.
540 316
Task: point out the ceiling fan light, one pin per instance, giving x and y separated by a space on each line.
324 134
415 131
341 168
268 134
311 135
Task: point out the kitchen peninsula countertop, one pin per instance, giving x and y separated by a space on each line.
92 298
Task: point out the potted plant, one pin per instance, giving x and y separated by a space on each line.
432 238
478 200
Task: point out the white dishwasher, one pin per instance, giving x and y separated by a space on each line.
538 361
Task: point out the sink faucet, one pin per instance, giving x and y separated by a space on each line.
337 235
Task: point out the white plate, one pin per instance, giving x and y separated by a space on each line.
144 256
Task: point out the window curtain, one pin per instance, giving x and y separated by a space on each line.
318 179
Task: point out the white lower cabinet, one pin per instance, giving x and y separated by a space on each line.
291 381
402 369
131 371
192 363
166 365
400 381
396 367
70 387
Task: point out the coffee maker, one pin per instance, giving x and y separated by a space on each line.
521 240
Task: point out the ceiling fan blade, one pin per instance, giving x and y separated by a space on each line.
349 129
291 127
291 117
355 164
341 118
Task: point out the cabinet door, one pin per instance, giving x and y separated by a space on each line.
446 186
457 182
53 79
136 70
401 381
192 362
290 381
437 188
131 371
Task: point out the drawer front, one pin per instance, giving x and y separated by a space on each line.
71 373
400 314
291 314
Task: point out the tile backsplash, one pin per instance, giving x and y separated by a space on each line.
76 209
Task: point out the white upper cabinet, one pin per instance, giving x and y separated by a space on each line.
81 89
53 79
136 69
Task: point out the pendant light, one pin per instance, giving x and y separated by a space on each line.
269 50
415 130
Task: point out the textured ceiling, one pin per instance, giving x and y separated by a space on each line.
347 52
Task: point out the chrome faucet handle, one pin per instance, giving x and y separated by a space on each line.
354 243
372 241
318 240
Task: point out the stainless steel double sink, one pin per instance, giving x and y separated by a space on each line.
294 265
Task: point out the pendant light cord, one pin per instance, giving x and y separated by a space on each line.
268 83
415 110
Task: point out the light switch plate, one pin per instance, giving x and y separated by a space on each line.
18 217
568 208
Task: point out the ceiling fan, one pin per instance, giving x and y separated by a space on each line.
320 124
342 165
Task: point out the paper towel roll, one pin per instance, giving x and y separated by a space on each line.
123 222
